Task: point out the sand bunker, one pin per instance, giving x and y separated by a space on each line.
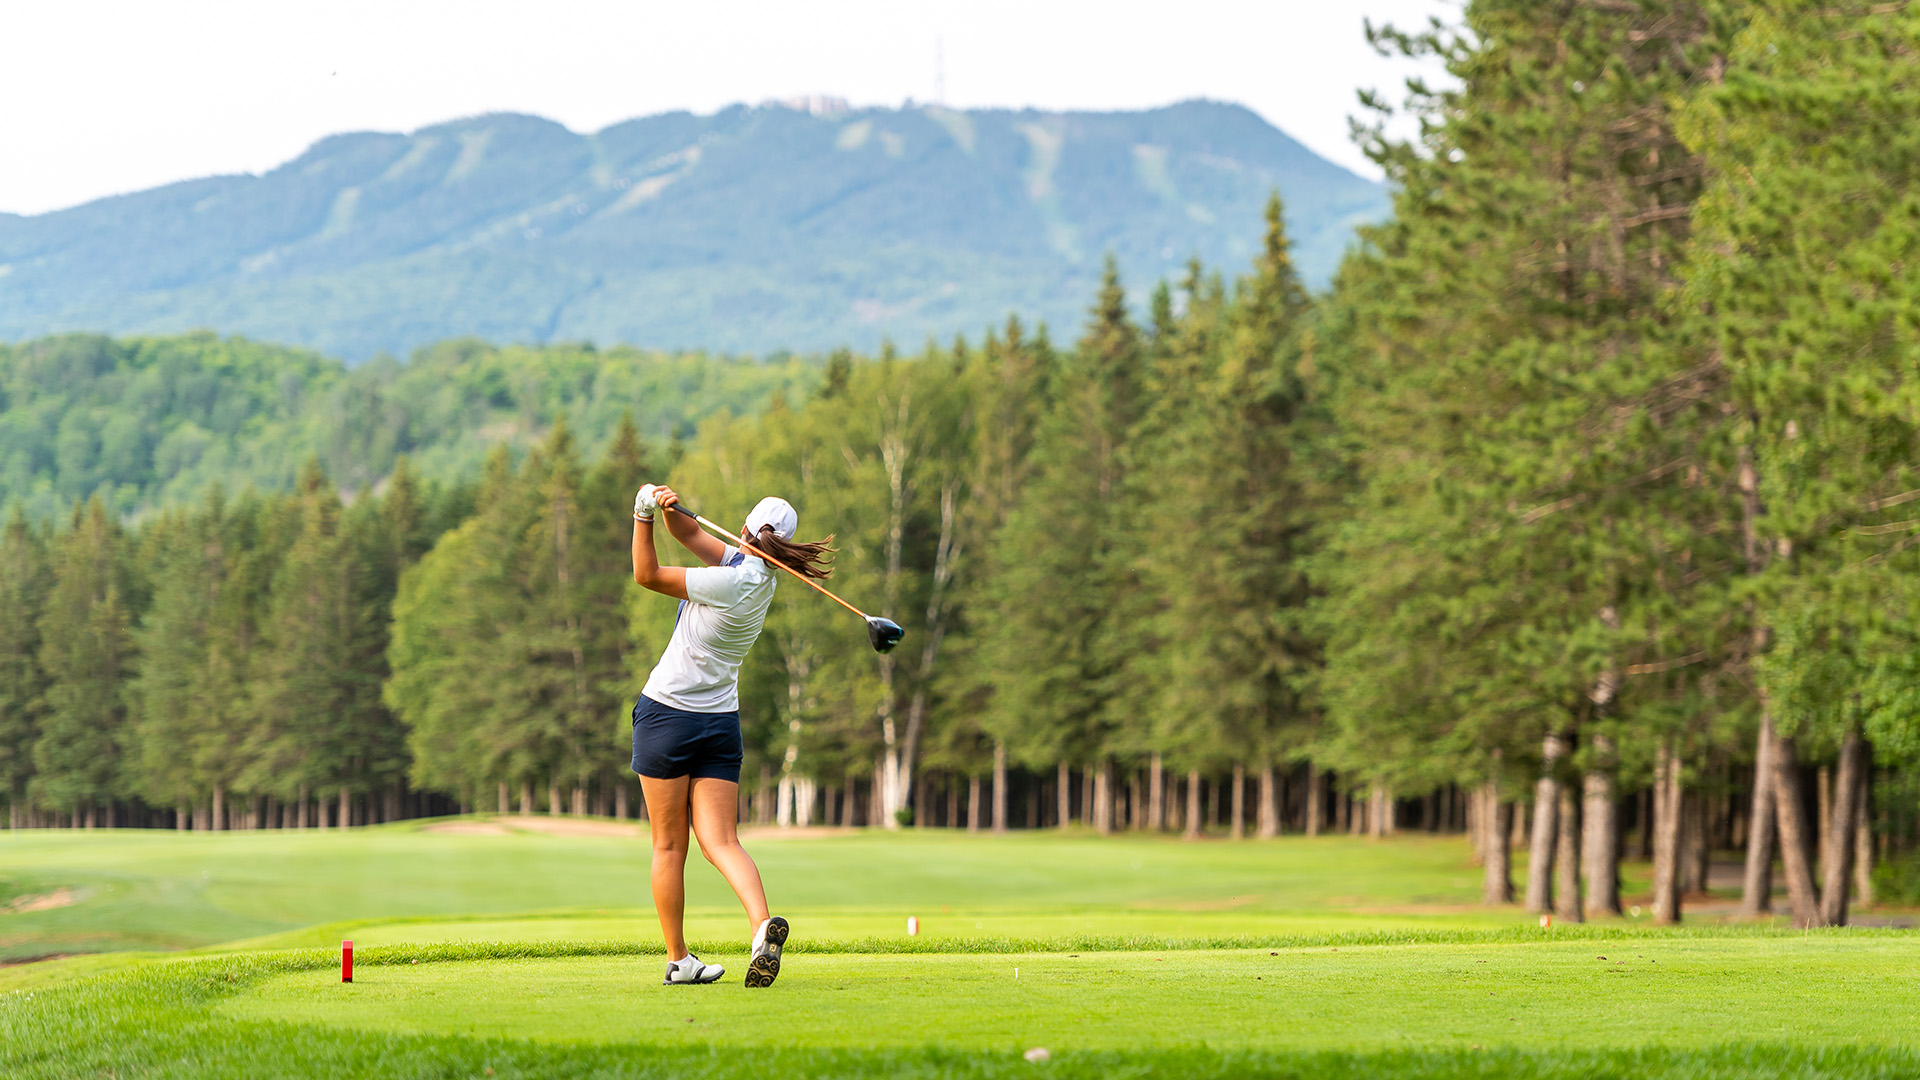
468 828
563 826
58 898
572 826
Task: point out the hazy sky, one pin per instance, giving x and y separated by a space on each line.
107 96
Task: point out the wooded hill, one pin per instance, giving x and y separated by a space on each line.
751 230
1575 514
152 422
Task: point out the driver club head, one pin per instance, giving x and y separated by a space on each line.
884 633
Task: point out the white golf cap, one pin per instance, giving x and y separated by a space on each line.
775 512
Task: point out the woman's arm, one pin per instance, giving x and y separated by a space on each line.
671 580
704 546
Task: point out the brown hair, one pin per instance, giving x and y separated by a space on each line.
813 560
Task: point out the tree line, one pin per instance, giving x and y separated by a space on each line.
1570 516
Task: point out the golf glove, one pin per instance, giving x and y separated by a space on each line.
644 503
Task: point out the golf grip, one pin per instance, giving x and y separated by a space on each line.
722 533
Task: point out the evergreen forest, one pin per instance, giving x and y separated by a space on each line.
1578 513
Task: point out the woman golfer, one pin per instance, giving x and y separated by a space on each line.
686 725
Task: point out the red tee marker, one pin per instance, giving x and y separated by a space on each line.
346 961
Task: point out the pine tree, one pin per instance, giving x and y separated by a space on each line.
312 690
1804 268
87 653
1055 666
26 578
1530 440
190 718
1231 519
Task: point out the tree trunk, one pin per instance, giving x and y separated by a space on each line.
999 787
1064 795
1194 820
1756 886
1863 837
219 809
1600 833
1156 794
1546 804
1237 828
1316 799
1693 841
1791 816
973 804
553 799
579 807
1645 823
620 807
1106 792
1846 806
300 812
1566 857
1376 809
1666 836
1476 827
346 808
1496 858
1823 807
1267 810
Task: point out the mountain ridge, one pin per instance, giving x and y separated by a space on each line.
753 229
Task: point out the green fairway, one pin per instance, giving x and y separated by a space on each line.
159 890
497 948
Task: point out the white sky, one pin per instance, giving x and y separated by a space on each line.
108 96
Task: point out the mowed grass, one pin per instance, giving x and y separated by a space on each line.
1584 994
1709 1002
533 955
159 890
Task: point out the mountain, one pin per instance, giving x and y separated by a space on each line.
751 230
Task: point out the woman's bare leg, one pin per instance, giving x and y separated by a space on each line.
716 808
667 811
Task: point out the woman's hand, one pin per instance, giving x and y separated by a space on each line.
652 499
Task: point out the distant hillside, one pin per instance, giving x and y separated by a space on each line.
149 422
751 230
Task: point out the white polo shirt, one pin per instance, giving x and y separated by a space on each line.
718 622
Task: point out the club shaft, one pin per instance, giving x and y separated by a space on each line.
757 553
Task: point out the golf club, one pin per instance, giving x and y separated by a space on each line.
884 633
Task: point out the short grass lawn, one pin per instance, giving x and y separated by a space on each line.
501 949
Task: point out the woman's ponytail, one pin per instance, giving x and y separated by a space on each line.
814 560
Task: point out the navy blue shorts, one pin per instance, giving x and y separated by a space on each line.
669 743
